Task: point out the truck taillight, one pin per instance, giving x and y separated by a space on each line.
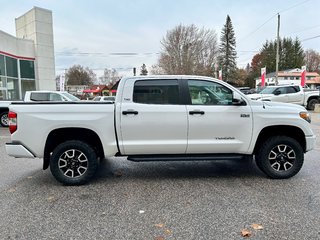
12 116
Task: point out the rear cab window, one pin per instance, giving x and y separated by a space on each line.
39 96
164 92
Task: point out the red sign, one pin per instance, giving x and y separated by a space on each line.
303 76
263 76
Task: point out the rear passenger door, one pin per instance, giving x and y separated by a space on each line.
152 119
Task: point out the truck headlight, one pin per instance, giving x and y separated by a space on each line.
306 116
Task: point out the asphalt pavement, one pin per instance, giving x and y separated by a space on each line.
175 200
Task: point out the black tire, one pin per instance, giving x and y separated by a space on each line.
280 157
73 162
4 121
312 103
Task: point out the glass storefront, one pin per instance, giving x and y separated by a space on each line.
12 84
2 66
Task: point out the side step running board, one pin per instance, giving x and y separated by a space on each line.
193 157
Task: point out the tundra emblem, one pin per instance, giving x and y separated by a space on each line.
245 115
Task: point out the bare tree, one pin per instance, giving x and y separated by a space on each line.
156 70
312 60
188 50
78 75
109 77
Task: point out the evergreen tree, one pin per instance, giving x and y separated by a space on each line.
290 51
227 50
143 70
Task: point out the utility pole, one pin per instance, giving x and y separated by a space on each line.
277 55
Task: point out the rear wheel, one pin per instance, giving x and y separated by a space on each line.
280 157
73 162
4 121
312 103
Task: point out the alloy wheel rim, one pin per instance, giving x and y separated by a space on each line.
73 163
282 158
4 120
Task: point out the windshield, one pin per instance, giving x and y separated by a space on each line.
70 96
267 90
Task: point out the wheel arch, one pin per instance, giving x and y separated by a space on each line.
61 135
281 130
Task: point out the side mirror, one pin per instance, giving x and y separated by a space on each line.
237 99
278 92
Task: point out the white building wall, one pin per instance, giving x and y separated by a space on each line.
18 47
36 24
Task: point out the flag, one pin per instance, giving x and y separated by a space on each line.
263 76
62 81
303 75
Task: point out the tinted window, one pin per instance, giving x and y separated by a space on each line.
39 97
156 92
12 67
2 72
27 69
291 90
281 90
209 93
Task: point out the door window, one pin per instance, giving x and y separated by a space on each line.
209 93
156 92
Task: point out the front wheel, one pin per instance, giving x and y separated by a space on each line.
280 157
73 162
4 121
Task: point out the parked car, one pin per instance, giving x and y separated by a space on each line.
32 96
35 96
104 98
288 94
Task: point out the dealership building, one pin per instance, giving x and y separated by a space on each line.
27 59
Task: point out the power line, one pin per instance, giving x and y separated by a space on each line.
298 4
259 27
307 39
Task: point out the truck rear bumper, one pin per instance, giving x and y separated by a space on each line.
310 142
18 150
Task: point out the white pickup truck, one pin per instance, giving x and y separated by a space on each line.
31 96
288 94
161 118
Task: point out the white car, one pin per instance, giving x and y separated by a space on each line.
288 94
104 98
32 96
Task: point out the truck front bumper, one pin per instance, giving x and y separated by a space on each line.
310 142
18 150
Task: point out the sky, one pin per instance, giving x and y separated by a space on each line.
124 34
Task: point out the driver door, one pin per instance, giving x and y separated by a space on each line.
215 125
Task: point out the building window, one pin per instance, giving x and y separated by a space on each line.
27 69
2 82
2 66
291 78
11 67
27 85
285 78
13 88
